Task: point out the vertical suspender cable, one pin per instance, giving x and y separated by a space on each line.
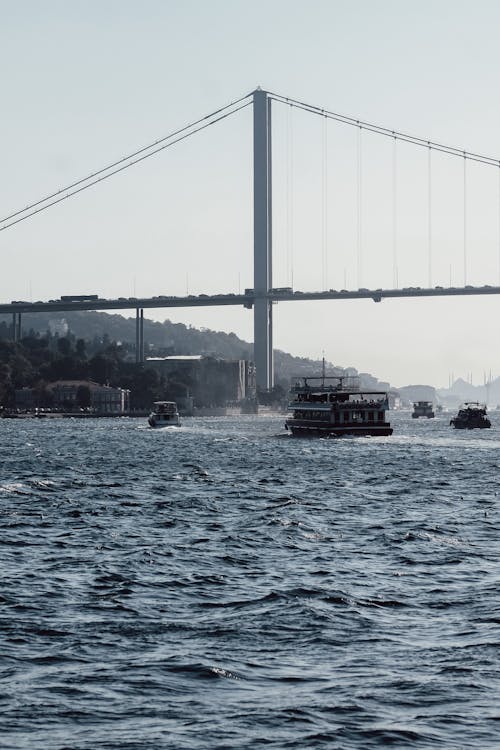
429 215
394 214
465 219
499 223
324 217
359 206
291 198
431 146
287 194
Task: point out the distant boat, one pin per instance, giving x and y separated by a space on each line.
335 406
472 415
423 409
164 414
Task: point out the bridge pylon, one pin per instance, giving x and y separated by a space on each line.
262 233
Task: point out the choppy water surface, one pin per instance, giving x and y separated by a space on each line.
224 586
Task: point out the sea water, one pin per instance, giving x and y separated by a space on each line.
225 585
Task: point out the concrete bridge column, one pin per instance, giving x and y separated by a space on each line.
139 335
263 319
141 342
16 326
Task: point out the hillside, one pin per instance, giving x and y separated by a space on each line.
173 338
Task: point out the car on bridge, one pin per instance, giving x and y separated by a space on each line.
78 297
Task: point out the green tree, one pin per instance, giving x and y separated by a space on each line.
101 368
64 346
21 370
81 348
146 386
6 389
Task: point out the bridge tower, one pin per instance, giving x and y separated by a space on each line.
262 239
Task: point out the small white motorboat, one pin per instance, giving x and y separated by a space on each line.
164 414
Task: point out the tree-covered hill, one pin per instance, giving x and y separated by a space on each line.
162 338
168 338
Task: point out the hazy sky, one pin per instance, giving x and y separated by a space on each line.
85 83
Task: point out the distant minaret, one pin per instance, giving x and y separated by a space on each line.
487 386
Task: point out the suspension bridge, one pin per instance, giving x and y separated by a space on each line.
263 294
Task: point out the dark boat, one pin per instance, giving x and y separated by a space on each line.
423 409
471 416
336 406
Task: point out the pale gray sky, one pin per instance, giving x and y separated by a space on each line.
87 82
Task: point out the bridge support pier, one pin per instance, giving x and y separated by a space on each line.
139 336
16 327
262 232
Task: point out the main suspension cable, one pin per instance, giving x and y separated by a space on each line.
127 161
380 130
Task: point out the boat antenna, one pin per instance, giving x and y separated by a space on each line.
323 370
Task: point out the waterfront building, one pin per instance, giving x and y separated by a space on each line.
67 395
58 327
210 381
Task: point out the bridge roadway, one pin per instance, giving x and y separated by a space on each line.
246 300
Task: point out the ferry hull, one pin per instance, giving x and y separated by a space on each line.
471 417
464 425
164 414
155 422
336 406
307 428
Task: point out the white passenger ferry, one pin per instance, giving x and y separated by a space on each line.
335 406
164 414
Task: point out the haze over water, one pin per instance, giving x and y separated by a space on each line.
226 586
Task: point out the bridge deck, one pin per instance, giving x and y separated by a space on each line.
247 300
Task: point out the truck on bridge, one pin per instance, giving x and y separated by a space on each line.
78 297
